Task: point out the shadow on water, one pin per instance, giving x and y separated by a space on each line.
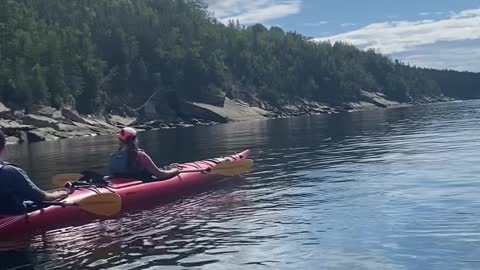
383 189
18 260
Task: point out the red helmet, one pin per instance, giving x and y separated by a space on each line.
127 134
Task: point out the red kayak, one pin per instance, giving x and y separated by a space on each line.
133 194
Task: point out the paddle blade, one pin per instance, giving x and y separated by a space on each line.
107 204
233 168
60 180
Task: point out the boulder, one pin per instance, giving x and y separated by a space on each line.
143 127
12 140
100 122
121 121
47 112
3 108
5 113
76 133
40 121
191 110
156 124
41 134
8 115
378 99
14 125
19 114
182 124
74 116
359 106
67 127
22 136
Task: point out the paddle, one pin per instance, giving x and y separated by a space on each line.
106 204
227 169
61 180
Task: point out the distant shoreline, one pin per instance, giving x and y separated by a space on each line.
49 124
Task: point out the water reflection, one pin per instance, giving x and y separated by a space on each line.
384 189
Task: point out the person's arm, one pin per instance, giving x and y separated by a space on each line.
152 169
56 194
30 191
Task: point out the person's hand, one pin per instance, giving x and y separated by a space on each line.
62 193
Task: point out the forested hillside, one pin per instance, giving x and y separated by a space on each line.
98 54
459 85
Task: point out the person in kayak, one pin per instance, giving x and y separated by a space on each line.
131 162
16 188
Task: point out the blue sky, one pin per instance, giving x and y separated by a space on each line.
439 34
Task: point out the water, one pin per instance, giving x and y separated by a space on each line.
383 189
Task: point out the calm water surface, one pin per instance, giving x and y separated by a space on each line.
384 189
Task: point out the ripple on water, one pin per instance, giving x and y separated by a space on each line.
386 189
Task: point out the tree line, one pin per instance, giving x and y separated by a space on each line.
95 55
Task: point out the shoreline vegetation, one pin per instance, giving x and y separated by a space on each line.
85 68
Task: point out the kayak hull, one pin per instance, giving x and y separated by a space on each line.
135 195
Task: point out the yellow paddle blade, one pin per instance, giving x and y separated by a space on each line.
107 204
233 168
60 180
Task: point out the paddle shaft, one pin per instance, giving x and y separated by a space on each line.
62 204
25 216
195 171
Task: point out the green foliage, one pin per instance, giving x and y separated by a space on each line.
95 54
461 85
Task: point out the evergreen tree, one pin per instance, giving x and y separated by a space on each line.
96 54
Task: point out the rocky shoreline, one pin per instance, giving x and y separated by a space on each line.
46 124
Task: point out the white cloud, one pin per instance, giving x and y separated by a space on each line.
253 11
402 37
470 13
457 55
424 13
313 24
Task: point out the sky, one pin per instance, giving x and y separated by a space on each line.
442 34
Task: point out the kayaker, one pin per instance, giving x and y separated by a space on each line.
16 188
131 162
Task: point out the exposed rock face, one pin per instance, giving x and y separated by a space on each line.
191 110
378 99
74 116
3 108
101 123
47 112
40 121
232 110
168 110
12 140
6 113
360 105
13 125
121 121
41 134
65 124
